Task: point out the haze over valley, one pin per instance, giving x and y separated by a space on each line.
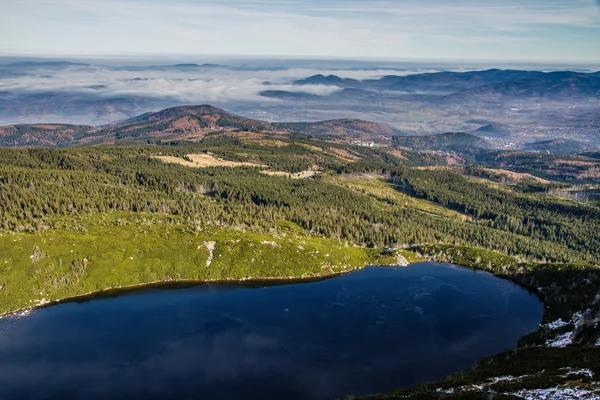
510 108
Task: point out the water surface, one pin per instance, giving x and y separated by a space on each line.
365 332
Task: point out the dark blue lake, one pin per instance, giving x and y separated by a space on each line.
366 332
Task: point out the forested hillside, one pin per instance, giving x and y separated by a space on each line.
41 184
453 141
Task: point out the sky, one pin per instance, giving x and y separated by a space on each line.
528 30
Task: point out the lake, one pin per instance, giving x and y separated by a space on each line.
369 331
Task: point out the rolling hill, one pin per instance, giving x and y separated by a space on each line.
448 81
457 142
340 128
50 135
562 85
188 121
558 146
333 80
287 95
183 123
492 84
492 129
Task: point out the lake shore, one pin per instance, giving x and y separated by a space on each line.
119 290
530 276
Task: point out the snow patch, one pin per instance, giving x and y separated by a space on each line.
583 371
576 318
559 323
561 340
564 339
557 393
508 378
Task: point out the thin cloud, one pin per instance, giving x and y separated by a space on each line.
358 29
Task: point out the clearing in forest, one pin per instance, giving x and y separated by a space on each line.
205 160
517 176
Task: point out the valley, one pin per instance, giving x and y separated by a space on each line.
510 108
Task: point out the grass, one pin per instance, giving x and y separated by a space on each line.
88 254
94 253
384 192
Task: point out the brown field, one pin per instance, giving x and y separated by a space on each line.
396 153
435 168
272 143
516 176
577 163
206 160
186 123
297 175
592 173
311 147
344 155
49 126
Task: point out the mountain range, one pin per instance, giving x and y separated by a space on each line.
182 123
559 146
519 106
477 85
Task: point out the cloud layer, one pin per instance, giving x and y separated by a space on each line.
188 86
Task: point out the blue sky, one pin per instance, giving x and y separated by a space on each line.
558 30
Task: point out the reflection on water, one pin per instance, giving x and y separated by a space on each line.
365 332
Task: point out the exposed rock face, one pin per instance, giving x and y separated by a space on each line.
401 260
210 245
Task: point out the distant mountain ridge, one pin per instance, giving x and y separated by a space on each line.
353 128
287 95
194 121
559 146
552 85
176 112
457 142
492 129
45 64
182 122
470 86
321 79
49 135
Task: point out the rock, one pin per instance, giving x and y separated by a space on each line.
401 260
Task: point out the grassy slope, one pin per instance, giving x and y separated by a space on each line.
118 249
385 193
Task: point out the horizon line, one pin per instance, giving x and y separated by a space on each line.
291 57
